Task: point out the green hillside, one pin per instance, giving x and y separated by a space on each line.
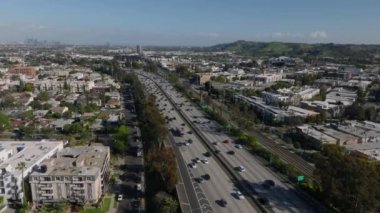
345 51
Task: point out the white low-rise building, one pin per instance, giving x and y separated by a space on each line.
14 153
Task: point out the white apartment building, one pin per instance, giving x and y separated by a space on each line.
32 153
59 86
267 78
76 174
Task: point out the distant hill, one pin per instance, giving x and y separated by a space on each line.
250 48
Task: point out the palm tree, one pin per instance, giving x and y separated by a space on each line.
21 166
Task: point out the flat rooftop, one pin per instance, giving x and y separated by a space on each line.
81 160
30 152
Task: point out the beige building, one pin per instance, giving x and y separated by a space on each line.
76 174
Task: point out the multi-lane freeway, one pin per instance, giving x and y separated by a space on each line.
205 135
209 193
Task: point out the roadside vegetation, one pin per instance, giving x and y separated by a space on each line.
161 168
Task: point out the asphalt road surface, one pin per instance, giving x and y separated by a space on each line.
209 192
282 197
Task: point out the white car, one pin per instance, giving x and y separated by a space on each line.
193 165
205 160
240 168
120 197
138 187
239 194
238 146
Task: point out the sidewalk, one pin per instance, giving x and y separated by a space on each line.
113 208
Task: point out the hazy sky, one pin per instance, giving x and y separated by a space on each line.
190 22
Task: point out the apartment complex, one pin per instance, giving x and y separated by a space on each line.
12 153
76 174
30 71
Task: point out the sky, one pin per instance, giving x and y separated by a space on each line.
190 22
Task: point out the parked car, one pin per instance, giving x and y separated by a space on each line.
226 141
231 152
119 197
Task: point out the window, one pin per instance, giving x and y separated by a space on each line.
47 178
89 191
58 178
91 178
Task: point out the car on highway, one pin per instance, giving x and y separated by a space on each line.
199 179
240 168
119 197
268 184
192 165
215 143
206 177
222 202
217 151
263 200
205 160
190 141
238 146
197 160
207 154
239 195
231 152
226 141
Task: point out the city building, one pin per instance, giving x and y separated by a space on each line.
29 71
76 174
12 153
267 78
340 95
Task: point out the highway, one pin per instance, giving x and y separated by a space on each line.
209 192
282 197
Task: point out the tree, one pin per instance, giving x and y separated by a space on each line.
28 87
169 205
21 166
43 96
121 139
4 122
348 183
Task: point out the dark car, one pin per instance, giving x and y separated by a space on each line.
207 154
217 151
269 184
231 152
136 204
263 200
222 202
226 141
199 179
206 176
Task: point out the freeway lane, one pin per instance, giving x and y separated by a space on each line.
220 186
282 197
